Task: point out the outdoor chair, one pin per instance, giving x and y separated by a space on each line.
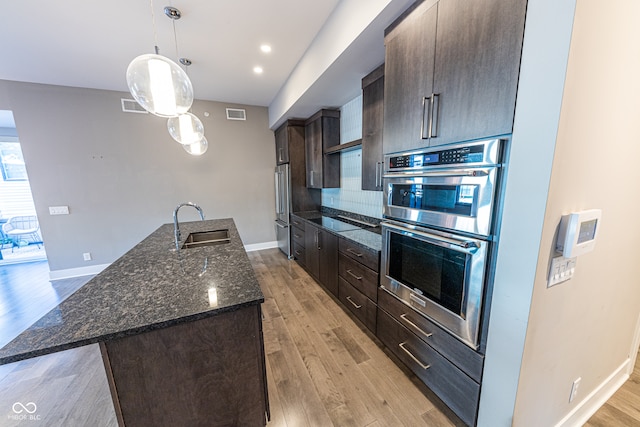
22 229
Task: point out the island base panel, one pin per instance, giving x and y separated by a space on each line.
206 372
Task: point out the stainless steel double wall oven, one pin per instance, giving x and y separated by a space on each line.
439 228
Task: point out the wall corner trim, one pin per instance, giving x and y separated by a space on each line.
77 272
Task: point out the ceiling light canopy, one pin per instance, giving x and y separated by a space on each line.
258 70
265 48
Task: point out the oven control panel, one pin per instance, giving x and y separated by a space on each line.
478 153
472 154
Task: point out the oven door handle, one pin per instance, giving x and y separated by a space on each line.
440 173
464 245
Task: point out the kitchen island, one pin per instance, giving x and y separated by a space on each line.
180 331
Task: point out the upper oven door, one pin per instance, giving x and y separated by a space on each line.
459 199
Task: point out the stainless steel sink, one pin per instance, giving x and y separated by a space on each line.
206 238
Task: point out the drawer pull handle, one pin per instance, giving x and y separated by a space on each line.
297 236
358 254
298 252
426 334
415 359
353 275
353 303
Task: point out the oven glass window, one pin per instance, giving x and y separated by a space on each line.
456 199
436 272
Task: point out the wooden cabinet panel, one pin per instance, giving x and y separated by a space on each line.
451 72
453 386
214 367
322 130
477 66
457 352
362 278
366 256
311 245
372 120
282 144
328 263
409 61
321 256
358 304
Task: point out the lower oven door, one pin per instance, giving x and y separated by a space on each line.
441 275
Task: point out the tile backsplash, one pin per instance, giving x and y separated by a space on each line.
350 196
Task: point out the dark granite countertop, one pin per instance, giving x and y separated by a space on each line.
368 237
150 287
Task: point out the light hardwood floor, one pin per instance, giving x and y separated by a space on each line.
323 369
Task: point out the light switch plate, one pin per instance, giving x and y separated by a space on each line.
562 269
58 210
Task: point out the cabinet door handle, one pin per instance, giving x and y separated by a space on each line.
404 317
358 254
433 122
353 303
380 166
280 154
353 275
318 239
377 174
311 177
415 359
297 236
426 117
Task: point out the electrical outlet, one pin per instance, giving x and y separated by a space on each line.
574 389
87 256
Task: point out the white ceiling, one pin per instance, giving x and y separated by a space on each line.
85 43
89 44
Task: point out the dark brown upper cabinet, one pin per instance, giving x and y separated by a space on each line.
451 72
322 131
372 119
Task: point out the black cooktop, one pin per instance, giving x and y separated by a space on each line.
335 224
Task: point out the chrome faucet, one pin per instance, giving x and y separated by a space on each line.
176 226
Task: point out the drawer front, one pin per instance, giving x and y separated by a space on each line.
456 389
357 303
299 254
297 222
368 257
460 354
297 235
360 277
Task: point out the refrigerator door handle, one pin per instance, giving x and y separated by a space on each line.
278 200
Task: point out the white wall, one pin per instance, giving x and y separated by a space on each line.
121 174
542 74
585 327
350 196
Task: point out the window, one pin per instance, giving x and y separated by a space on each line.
11 162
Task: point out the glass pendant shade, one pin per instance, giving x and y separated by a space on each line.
197 148
159 85
186 128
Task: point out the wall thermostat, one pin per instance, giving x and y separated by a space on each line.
578 232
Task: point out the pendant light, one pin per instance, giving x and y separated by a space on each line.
185 128
158 84
197 148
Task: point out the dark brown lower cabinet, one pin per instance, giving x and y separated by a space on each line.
210 371
321 262
456 389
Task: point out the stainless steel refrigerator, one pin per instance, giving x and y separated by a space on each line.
283 207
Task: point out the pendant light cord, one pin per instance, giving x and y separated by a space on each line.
155 32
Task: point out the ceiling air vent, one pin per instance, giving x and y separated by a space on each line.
132 106
236 114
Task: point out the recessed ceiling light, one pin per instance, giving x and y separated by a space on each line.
258 70
265 48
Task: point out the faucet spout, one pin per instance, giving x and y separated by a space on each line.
176 225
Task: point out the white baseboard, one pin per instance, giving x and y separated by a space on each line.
591 403
260 246
77 272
